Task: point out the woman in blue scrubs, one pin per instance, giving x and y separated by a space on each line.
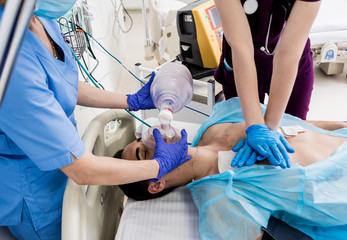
39 143
266 51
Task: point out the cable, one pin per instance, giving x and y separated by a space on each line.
96 65
115 58
81 70
90 77
85 64
85 71
110 54
138 118
116 16
197 111
134 74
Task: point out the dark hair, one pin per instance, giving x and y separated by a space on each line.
139 190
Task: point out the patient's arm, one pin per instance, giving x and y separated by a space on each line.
329 125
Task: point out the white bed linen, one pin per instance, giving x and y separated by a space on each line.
171 217
320 38
331 23
332 16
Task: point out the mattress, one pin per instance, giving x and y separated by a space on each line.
171 217
331 23
320 38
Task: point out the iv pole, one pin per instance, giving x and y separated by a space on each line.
13 26
148 46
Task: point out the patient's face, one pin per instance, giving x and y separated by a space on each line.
137 151
182 175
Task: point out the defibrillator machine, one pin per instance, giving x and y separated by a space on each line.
200 33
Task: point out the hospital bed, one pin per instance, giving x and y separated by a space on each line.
93 212
329 36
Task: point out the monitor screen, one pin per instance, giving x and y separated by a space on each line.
214 17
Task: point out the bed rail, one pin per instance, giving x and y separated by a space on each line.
93 212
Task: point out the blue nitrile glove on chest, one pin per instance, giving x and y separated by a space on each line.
266 143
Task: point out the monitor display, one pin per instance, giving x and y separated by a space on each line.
212 12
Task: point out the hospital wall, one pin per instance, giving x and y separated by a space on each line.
105 29
133 4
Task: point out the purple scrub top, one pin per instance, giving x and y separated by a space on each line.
259 23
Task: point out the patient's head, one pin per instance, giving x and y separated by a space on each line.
137 150
146 189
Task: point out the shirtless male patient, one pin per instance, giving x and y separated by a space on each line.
221 132
309 147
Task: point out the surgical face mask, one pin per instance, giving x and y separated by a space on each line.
53 8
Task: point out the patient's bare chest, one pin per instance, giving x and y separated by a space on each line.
223 135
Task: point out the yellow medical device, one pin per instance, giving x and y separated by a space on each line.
201 34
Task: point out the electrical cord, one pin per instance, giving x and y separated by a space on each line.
133 73
110 54
81 71
96 85
84 69
90 73
116 16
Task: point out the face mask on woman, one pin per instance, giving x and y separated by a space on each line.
53 8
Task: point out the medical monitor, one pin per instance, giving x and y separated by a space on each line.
201 34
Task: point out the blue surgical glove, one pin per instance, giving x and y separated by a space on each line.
268 144
245 156
169 156
142 99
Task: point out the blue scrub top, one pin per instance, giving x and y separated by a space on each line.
38 130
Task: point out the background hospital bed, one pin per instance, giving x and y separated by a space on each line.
93 212
329 36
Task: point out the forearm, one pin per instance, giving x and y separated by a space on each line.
95 170
284 74
90 96
329 125
238 34
286 59
246 84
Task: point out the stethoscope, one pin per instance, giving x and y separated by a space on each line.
250 7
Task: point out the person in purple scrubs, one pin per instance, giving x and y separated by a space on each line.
266 50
